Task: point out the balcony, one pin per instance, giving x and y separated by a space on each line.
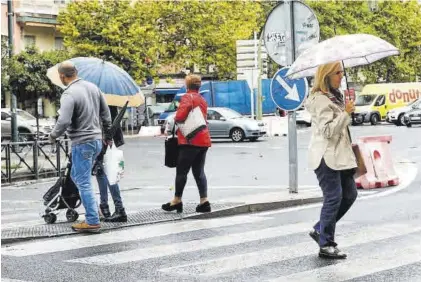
39 12
40 7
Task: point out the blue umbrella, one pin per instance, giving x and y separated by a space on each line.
116 84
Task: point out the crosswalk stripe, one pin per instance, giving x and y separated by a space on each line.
12 280
253 259
400 255
135 233
196 245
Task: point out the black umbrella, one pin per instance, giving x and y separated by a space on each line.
112 131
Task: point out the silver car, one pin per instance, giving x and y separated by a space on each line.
227 123
27 125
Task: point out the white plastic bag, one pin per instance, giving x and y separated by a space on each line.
114 164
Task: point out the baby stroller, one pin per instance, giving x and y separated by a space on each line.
63 194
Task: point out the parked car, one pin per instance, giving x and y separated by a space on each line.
303 116
397 116
227 123
413 116
26 123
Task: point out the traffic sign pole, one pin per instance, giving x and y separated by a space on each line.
292 123
289 95
284 40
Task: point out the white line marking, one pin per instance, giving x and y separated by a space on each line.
196 245
132 234
362 266
267 256
12 280
410 174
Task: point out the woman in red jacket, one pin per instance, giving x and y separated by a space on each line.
192 152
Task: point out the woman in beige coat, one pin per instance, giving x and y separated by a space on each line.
331 155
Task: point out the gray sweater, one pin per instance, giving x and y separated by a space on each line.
82 108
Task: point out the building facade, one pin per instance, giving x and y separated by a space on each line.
35 23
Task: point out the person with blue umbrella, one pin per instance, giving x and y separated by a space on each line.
119 90
83 110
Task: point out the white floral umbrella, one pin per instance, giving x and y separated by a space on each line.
353 50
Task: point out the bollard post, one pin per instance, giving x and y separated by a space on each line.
8 164
35 153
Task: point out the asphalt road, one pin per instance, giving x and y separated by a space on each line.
232 169
380 234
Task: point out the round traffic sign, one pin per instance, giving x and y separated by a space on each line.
288 94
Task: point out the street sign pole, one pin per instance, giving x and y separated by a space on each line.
259 79
13 122
284 40
292 122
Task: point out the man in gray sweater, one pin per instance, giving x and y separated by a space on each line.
83 109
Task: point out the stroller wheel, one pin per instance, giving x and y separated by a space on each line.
72 215
50 218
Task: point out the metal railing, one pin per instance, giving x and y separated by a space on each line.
33 159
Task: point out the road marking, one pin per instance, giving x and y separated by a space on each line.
273 255
132 234
398 256
12 280
409 173
195 245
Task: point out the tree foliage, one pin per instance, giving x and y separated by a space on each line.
144 36
27 73
397 22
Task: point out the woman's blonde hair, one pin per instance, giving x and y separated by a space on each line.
321 80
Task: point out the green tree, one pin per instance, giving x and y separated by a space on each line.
143 36
111 30
4 66
394 21
398 22
27 74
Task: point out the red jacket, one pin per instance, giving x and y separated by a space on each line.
189 101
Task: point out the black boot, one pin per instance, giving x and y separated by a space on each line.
105 210
168 207
205 207
118 216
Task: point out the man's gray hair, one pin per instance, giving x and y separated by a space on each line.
68 69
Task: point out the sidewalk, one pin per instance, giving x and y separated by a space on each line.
147 211
21 213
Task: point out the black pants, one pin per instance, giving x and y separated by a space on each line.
191 157
339 193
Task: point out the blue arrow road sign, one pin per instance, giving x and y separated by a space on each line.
288 94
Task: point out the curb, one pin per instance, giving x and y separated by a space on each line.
231 210
257 207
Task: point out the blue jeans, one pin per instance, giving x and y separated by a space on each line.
103 184
339 193
83 157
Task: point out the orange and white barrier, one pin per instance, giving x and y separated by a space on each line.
378 160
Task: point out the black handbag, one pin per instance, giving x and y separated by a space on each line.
171 150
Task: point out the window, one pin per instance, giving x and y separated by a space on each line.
29 40
381 100
58 45
364 100
213 115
